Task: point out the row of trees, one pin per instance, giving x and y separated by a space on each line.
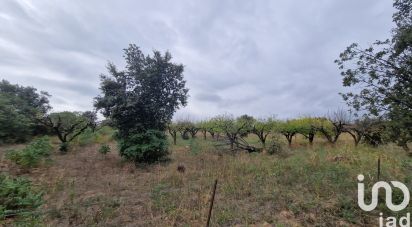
138 101
141 99
369 130
25 112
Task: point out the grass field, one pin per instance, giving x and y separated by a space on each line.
301 186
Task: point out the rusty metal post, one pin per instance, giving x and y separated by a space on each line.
211 204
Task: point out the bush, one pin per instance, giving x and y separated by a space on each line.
150 146
17 197
275 146
32 154
104 149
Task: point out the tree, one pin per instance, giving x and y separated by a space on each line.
20 107
247 122
307 127
234 129
186 128
262 128
204 127
173 129
289 129
142 97
334 125
213 128
68 125
365 128
384 73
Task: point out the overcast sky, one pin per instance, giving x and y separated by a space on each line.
255 57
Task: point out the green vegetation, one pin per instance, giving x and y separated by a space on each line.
104 149
69 125
288 172
19 107
101 135
149 146
18 198
383 72
141 101
33 154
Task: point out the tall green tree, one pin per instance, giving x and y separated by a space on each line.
20 107
384 73
142 97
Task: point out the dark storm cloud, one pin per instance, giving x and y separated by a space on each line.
255 57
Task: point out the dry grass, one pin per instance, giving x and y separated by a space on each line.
303 186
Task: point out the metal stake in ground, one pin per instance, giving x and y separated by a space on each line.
211 204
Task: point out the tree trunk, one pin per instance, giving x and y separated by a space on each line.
289 138
290 141
311 137
212 134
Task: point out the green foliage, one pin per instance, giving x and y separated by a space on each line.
17 197
186 128
68 125
235 129
289 129
173 128
275 145
32 154
142 99
101 135
247 123
104 149
145 95
263 127
150 146
19 108
383 73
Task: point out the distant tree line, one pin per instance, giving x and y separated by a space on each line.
367 130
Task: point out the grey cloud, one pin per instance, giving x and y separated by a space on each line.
256 57
208 97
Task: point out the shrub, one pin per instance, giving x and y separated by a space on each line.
275 146
150 146
104 149
32 154
17 197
